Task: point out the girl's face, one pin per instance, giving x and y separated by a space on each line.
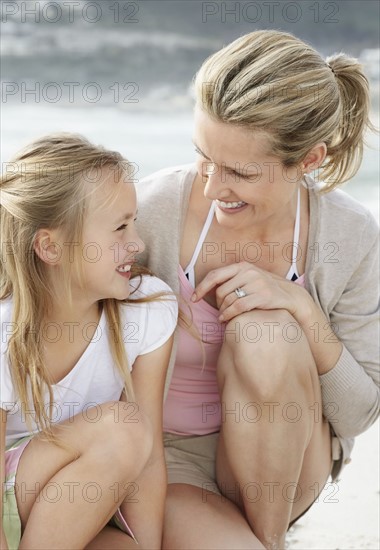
250 185
110 241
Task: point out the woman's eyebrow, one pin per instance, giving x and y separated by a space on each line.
208 158
200 150
225 167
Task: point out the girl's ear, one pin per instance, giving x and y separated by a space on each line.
314 158
47 248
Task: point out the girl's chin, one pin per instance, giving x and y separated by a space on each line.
121 294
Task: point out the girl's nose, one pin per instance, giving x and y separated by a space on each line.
140 244
135 245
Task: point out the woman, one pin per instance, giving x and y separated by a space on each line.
285 278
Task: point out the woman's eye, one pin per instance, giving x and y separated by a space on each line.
242 176
198 151
246 177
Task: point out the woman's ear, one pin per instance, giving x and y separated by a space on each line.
314 158
46 247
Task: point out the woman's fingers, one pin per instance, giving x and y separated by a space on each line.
262 289
240 305
214 278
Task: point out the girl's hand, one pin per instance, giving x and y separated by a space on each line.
263 290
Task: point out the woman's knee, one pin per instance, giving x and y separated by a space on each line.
265 349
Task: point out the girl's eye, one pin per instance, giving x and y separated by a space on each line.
124 226
198 151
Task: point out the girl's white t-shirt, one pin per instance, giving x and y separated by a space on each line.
94 379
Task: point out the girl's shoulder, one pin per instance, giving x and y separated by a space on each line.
146 285
157 296
149 323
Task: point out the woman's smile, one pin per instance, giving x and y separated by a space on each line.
231 207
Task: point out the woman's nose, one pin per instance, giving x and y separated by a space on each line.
216 187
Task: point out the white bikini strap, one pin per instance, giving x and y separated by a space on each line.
190 268
202 237
296 235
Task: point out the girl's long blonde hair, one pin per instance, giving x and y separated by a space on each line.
47 186
271 81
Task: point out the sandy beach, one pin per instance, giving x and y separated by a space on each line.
347 515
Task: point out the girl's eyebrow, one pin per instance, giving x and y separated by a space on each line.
127 217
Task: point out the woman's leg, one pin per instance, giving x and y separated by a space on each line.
66 495
274 446
196 518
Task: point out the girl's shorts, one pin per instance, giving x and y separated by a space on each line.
11 518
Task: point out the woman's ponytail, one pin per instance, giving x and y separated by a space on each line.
346 149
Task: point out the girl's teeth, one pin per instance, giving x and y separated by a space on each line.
124 268
231 204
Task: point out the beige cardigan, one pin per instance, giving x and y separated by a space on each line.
341 274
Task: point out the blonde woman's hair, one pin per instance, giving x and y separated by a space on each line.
273 82
47 185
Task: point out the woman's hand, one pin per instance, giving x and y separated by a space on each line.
263 289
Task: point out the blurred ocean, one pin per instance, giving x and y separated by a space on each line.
150 140
120 72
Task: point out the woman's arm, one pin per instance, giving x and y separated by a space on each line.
145 511
345 346
352 385
267 291
3 540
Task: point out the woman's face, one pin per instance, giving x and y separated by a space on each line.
249 184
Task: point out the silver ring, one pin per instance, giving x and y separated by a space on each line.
240 293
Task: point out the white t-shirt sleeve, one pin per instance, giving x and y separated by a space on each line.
157 319
7 393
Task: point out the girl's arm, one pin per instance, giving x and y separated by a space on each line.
3 540
145 510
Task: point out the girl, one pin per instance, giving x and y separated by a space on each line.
82 433
283 274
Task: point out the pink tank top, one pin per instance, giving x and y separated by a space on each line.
193 404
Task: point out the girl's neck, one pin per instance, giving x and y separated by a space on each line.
78 313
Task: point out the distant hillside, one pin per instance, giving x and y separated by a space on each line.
351 24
